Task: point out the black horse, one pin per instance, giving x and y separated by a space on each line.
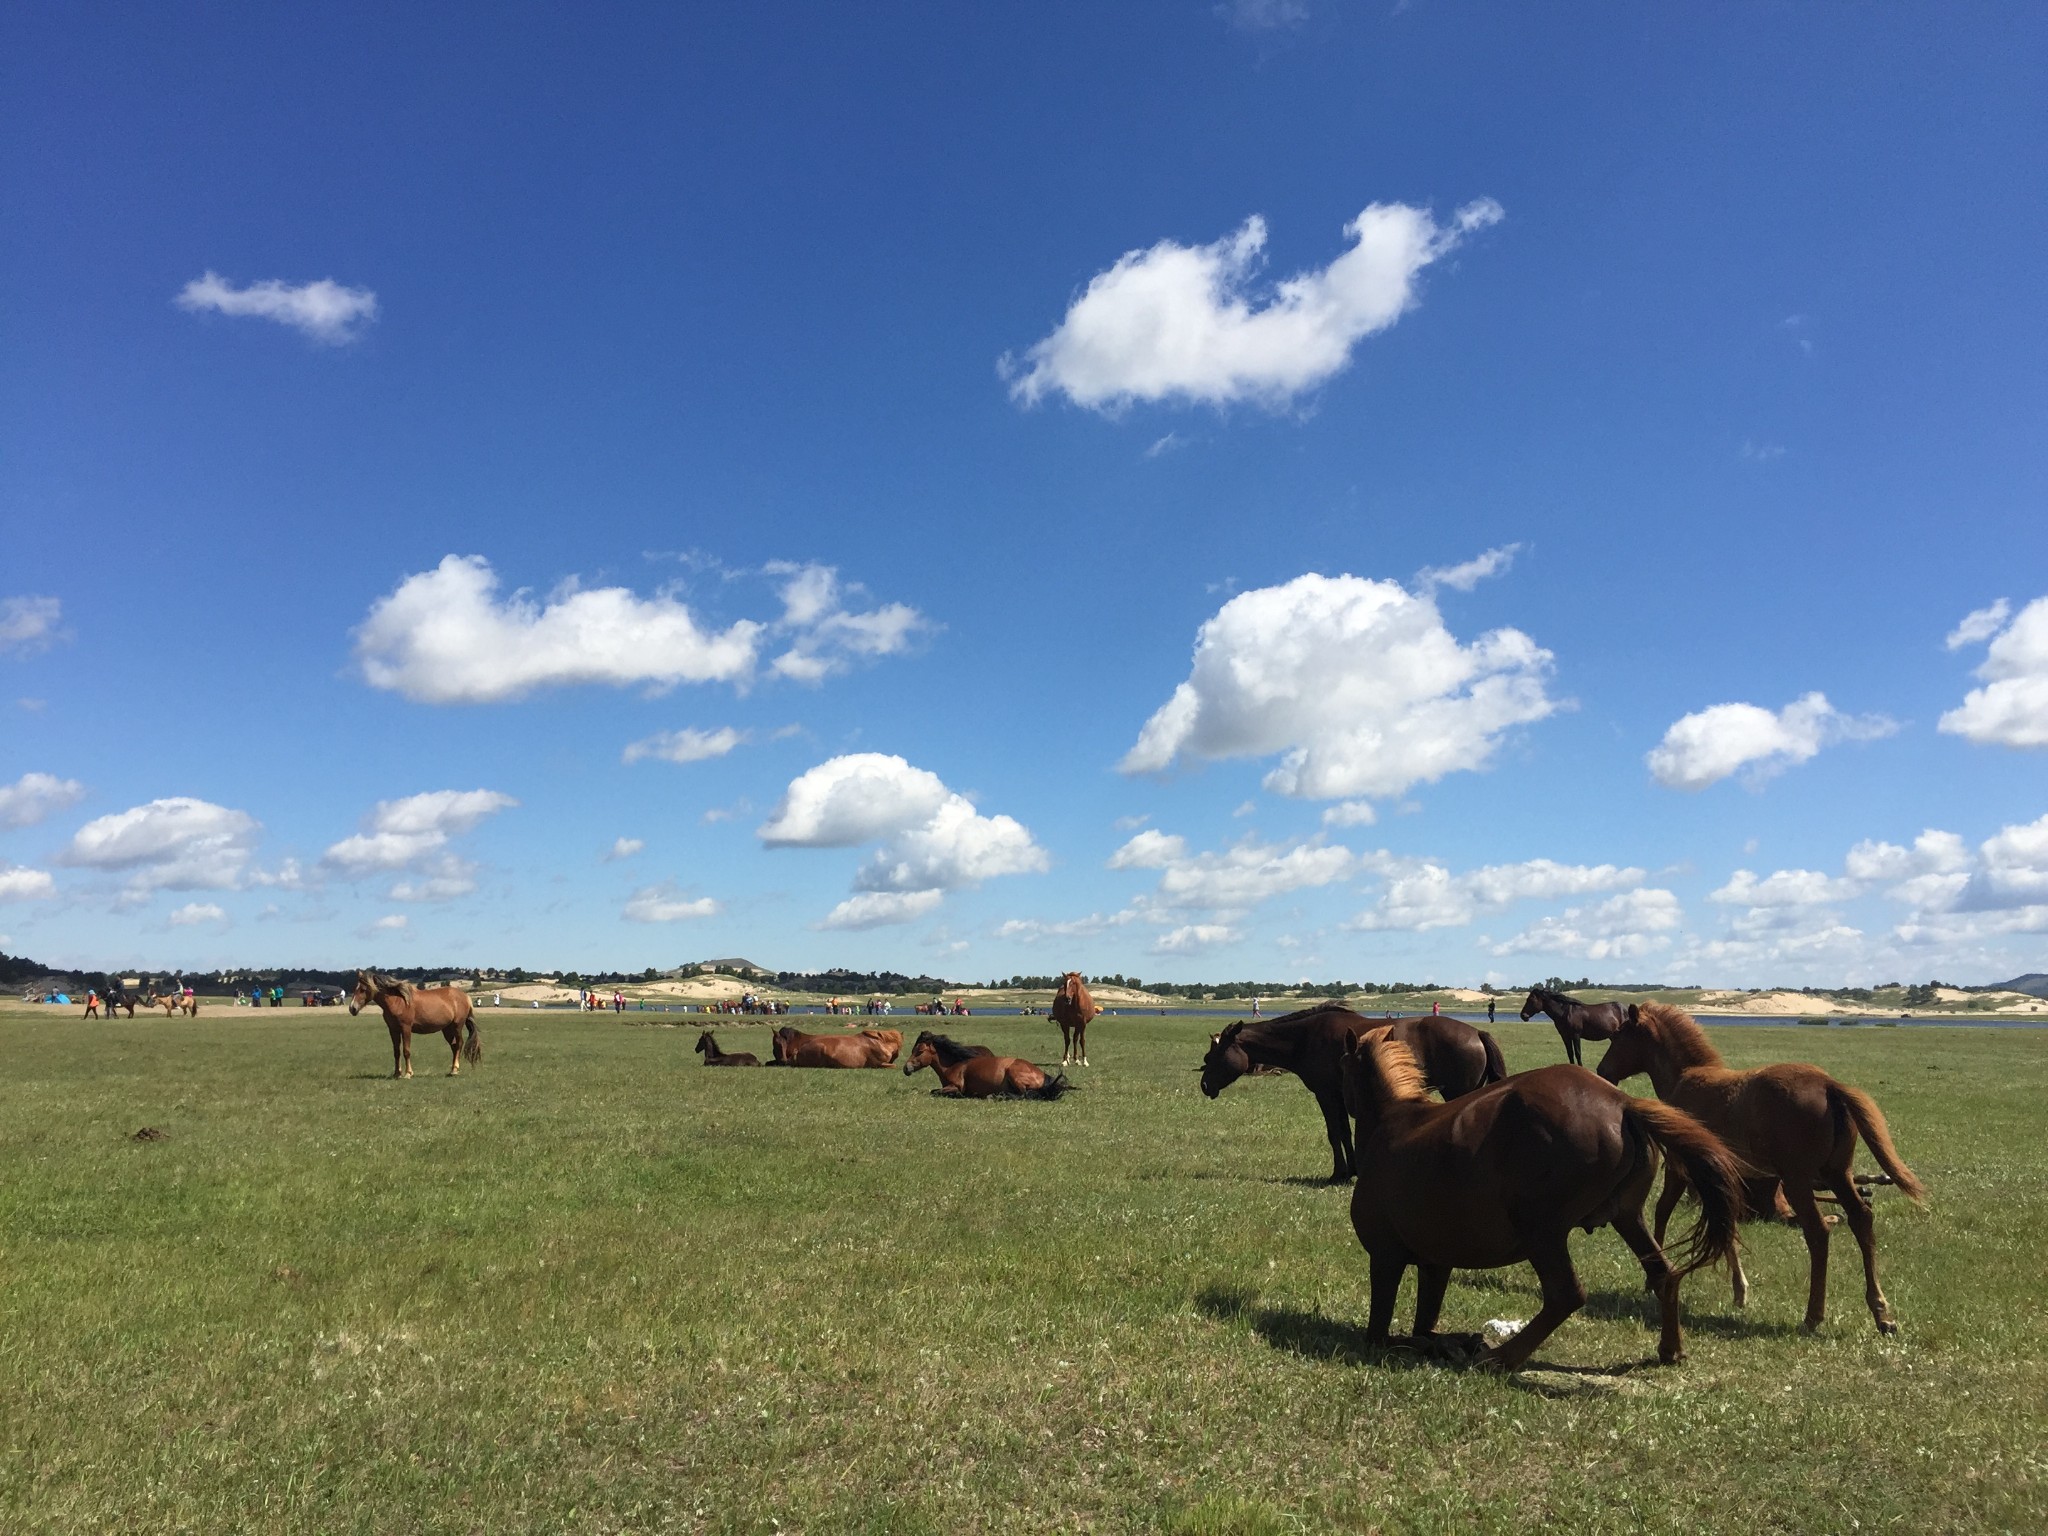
1575 1020
707 1047
1310 1043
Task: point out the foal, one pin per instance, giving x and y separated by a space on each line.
707 1047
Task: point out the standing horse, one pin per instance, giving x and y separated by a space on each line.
707 1047
1310 1043
1575 1021
407 1008
170 1005
1502 1176
976 1072
1072 1008
1791 1122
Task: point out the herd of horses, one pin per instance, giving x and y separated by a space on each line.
1495 1169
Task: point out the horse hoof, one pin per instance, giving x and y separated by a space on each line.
1676 1357
1811 1325
1887 1327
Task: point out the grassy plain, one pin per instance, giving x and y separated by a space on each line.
594 1287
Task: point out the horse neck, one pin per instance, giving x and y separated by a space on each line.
1270 1047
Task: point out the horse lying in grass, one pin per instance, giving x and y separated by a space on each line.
869 1048
1310 1043
1790 1122
1575 1021
408 1009
1501 1176
707 1047
976 1072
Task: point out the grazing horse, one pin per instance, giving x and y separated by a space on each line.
1575 1021
1502 1176
1790 1122
976 1072
1072 1008
869 1048
707 1047
1310 1043
407 1008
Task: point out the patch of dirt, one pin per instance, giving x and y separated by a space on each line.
150 1133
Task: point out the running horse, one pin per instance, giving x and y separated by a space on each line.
1072 1008
1790 1122
1575 1021
976 1072
410 1010
1311 1042
869 1048
1501 1176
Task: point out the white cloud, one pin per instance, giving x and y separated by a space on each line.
413 834
665 904
28 624
1246 873
391 922
2011 709
20 883
1350 813
34 796
1182 323
1932 853
879 909
623 848
196 912
688 745
828 637
1622 927
1705 747
173 844
323 310
1463 578
1979 624
1782 888
854 799
1195 938
1150 849
2015 868
1356 681
1030 930
1421 894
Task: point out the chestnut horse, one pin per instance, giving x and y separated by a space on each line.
707 1047
427 1010
869 1048
1502 1176
1575 1021
1310 1043
976 1072
173 1004
1072 1008
1791 1122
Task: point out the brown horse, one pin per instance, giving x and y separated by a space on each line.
707 1047
1791 1122
121 999
976 1072
1502 1176
1575 1021
1072 1008
869 1048
407 1009
170 1004
1311 1042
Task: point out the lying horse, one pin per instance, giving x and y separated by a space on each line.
407 1008
1575 1021
707 1047
1310 1043
1790 1122
1502 1176
869 1048
1072 1008
976 1072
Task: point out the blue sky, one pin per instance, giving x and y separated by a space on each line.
1264 490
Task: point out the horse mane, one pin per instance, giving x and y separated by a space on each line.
381 983
950 1051
1399 1079
1679 1033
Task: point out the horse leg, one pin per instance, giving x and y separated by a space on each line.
1857 1214
1807 1213
1563 1294
454 1037
1659 1278
1338 1125
1066 1044
1572 1049
1386 1290
394 1049
1082 1035
405 1035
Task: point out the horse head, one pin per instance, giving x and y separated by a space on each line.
1226 1061
360 995
923 1054
1532 1004
705 1044
1628 1052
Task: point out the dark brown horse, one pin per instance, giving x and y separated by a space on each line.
1072 1008
1310 1043
1791 1122
869 1048
408 1010
1575 1021
1502 1176
707 1047
976 1072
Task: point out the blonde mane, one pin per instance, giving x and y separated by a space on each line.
1398 1079
1679 1034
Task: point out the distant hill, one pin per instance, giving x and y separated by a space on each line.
729 966
2034 984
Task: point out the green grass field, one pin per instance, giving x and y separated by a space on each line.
595 1287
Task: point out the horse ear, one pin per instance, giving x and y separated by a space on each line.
1635 1014
1350 1042
1215 1039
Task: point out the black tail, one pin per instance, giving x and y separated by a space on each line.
1051 1088
1496 1064
473 1049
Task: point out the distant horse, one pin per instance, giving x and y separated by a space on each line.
869 1048
1791 1122
1310 1043
707 1047
1072 1008
170 1004
1502 1176
976 1072
408 1009
1575 1020
120 999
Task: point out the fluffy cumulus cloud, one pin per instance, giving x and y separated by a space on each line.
34 796
28 624
323 310
1623 927
1782 888
1356 682
929 838
176 844
1421 894
1706 747
413 837
194 913
20 883
665 904
1958 896
1195 939
825 635
1189 324
1239 877
2011 709
688 745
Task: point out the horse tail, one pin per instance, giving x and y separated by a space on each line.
1708 1166
1496 1064
1862 1108
1051 1088
473 1047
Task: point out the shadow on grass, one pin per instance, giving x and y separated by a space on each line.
1308 1334
1611 1306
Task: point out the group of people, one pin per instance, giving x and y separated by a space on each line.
256 997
